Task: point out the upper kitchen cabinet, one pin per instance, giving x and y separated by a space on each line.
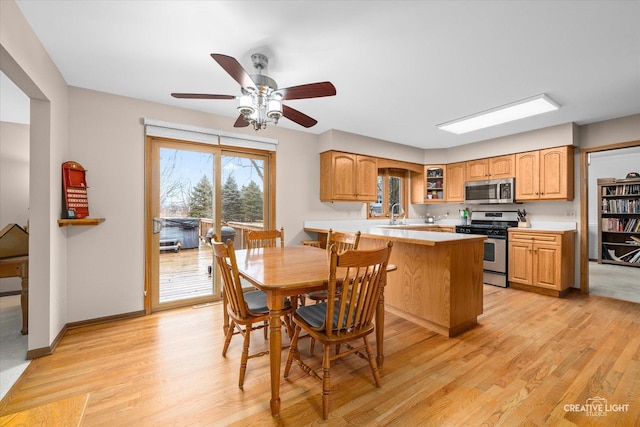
545 174
455 182
477 170
429 186
491 168
348 177
502 167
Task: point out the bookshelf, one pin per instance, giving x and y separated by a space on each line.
619 221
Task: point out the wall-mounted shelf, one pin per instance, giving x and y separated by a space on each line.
83 221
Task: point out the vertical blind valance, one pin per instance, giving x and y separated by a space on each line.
190 133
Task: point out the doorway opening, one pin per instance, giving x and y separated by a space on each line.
615 281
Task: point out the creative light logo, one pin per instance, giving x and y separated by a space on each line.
596 407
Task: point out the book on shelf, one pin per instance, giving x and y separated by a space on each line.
622 206
631 257
621 190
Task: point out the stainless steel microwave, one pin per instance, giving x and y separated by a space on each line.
490 191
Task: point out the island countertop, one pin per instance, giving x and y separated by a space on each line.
407 233
438 280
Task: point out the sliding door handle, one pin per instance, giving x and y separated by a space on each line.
157 225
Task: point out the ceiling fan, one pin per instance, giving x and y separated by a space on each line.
261 100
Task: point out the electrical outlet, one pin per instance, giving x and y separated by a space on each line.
571 214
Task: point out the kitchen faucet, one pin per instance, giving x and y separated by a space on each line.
393 218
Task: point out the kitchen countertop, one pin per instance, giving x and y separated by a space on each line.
542 230
551 226
399 233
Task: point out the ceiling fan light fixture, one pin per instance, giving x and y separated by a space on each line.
274 112
507 113
246 105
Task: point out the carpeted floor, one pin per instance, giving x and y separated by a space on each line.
615 281
13 345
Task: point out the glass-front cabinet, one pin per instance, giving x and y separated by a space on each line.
429 187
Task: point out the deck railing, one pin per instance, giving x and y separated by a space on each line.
240 228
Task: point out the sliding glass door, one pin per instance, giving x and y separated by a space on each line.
196 191
181 210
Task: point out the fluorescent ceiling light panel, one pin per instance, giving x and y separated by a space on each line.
507 113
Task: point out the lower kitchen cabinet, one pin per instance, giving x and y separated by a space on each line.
542 261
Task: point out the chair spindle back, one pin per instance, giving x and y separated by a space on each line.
265 238
353 305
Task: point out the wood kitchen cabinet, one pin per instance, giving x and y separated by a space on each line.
542 261
545 174
502 167
455 182
348 177
491 168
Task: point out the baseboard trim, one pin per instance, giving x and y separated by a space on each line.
106 319
45 351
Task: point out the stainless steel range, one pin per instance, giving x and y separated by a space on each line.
492 224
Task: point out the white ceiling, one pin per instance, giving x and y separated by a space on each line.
400 67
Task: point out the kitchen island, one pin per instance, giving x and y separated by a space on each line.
438 281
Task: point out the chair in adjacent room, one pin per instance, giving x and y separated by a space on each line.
345 316
265 238
247 310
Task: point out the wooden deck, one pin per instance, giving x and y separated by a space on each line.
185 274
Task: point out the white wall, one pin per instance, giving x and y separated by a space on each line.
14 173
14 183
24 61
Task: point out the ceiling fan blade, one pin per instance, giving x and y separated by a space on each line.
235 70
201 96
311 90
240 122
298 117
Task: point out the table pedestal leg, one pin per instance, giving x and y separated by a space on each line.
24 300
275 348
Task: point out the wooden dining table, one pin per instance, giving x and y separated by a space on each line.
289 271
19 267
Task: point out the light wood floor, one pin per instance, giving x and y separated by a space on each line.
530 357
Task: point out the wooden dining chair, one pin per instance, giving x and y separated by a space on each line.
345 316
247 310
343 242
265 238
